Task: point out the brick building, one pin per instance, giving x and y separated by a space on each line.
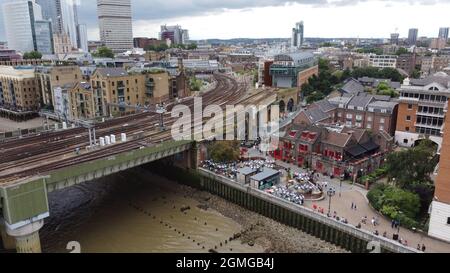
337 151
421 109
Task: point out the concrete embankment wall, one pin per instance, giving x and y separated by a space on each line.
304 219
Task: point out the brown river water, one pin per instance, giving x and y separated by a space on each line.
136 212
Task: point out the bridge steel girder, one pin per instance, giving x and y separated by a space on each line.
85 172
25 202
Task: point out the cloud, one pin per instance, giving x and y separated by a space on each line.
161 11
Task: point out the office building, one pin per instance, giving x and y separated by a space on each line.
443 33
115 23
298 35
44 37
82 37
175 34
63 15
19 17
413 34
286 68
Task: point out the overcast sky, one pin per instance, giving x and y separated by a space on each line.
274 18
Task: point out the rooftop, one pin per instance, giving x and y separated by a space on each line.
112 72
265 174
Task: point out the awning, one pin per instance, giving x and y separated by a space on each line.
370 146
356 151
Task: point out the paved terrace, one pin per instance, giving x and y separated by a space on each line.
352 193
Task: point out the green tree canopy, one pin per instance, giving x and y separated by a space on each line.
104 52
396 204
192 46
32 55
412 165
401 51
225 151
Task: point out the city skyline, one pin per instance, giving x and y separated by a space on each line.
225 20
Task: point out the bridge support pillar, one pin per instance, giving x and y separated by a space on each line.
9 243
27 237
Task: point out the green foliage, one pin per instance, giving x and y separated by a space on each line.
32 55
192 46
396 203
195 84
318 88
401 51
315 96
225 151
374 50
158 48
104 52
373 72
327 44
416 74
411 165
385 90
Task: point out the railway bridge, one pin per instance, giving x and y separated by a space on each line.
34 165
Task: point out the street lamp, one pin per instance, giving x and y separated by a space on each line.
331 192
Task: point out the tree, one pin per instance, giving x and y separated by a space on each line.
195 84
412 165
315 96
192 46
401 51
385 89
32 55
396 204
104 52
225 151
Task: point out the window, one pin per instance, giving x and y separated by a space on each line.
57 78
349 116
408 118
405 141
407 129
369 119
448 221
382 120
410 106
339 115
369 126
381 128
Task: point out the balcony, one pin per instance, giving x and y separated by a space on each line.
437 127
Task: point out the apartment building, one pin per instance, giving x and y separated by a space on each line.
82 102
19 89
118 88
358 110
382 61
433 64
52 77
421 109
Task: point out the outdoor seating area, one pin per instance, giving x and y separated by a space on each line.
287 193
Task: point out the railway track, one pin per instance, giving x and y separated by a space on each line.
43 153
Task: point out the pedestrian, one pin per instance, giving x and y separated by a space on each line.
373 221
385 234
353 205
423 248
418 247
393 224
